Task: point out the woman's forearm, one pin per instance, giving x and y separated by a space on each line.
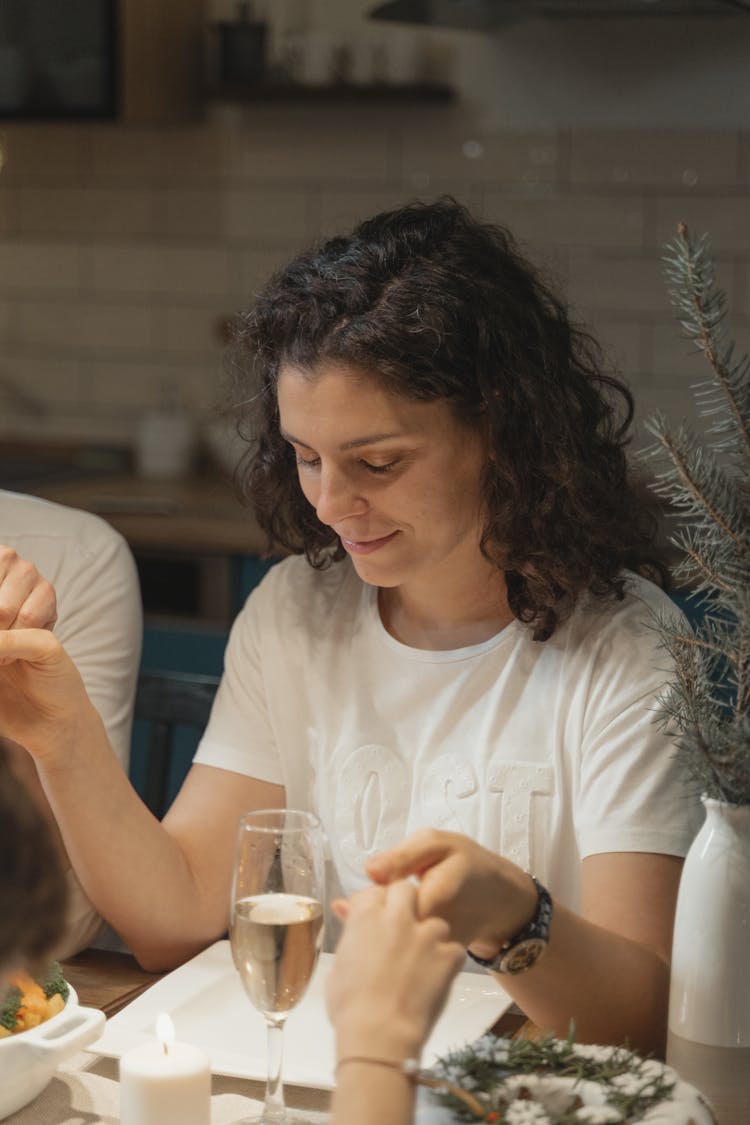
607 969
612 988
370 1095
131 869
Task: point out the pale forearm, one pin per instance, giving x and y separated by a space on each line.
614 989
371 1094
130 868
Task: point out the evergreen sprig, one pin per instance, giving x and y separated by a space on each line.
706 482
493 1069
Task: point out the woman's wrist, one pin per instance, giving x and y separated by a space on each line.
58 751
491 941
379 1041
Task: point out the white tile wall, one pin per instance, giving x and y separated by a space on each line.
121 248
39 268
154 269
455 149
725 217
8 209
617 283
572 220
659 158
55 152
190 330
85 211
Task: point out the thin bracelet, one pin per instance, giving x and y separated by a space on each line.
411 1069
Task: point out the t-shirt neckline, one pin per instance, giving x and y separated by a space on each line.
429 655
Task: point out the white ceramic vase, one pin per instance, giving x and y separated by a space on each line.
709 998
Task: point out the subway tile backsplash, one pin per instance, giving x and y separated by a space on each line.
123 249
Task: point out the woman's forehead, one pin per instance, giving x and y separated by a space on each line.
349 406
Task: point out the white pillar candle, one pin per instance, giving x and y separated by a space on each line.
165 1083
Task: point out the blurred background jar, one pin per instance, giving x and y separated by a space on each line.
165 441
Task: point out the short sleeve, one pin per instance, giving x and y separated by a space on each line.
633 794
101 626
239 735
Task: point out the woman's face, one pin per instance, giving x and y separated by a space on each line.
397 480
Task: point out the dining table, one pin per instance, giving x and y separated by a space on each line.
85 1088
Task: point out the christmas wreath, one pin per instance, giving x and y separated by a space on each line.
558 1082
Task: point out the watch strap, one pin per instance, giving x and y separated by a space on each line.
524 949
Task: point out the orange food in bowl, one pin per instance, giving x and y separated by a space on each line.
26 1004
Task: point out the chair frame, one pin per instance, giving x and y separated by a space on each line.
167 700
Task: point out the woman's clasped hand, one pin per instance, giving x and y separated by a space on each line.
484 898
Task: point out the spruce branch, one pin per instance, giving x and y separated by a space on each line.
699 482
706 482
705 326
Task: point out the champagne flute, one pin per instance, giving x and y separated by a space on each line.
277 923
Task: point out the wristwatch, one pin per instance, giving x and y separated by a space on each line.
525 948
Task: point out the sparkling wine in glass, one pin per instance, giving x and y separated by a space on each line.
277 923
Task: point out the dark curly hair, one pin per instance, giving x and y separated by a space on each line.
439 305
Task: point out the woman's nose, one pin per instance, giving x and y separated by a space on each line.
337 498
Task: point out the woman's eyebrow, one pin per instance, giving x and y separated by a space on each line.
355 443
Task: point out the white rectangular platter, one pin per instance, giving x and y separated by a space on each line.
205 999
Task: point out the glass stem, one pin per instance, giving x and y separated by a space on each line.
274 1110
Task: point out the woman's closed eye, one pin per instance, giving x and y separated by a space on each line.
307 462
378 468
312 462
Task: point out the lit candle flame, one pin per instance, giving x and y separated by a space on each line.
165 1031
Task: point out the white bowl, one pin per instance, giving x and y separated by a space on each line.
29 1059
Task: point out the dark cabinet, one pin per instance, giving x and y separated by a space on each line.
132 60
58 60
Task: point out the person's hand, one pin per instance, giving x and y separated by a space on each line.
391 975
27 601
43 702
485 898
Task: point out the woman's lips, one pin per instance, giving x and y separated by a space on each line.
366 546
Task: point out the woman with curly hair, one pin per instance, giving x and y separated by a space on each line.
454 668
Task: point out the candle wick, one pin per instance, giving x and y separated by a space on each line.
166 1049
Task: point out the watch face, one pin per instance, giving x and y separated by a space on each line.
523 955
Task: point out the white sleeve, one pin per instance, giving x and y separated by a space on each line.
100 623
239 735
82 923
633 794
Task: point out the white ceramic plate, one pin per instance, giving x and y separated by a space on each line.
205 999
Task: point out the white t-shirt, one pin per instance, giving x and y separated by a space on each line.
100 624
544 752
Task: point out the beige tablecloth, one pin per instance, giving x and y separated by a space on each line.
85 1091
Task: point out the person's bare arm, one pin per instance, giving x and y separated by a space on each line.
606 969
164 887
389 982
107 603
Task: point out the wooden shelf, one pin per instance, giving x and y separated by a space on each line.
377 93
199 515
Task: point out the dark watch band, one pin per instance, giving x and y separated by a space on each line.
525 948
